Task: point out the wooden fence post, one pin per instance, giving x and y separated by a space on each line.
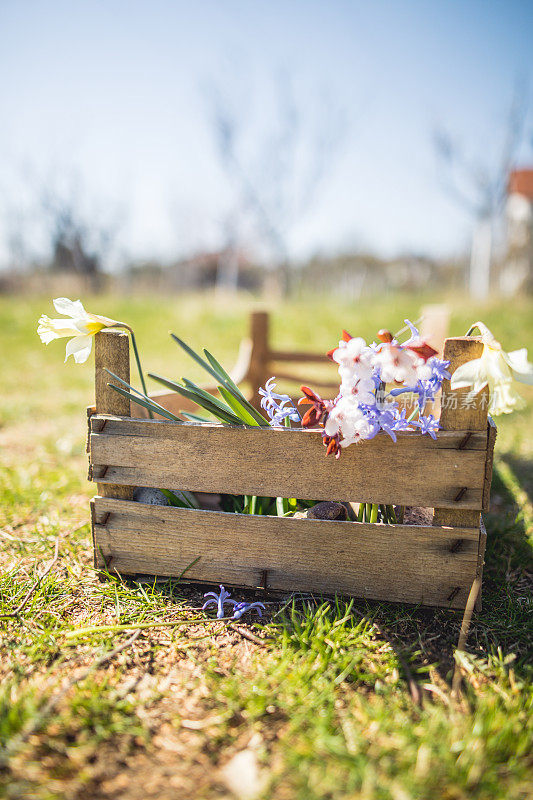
258 372
112 352
460 414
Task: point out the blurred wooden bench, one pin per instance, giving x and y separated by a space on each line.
258 360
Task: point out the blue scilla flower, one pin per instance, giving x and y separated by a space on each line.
279 407
415 333
219 600
425 390
439 369
242 608
427 425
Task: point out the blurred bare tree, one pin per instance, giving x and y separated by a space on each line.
76 237
277 178
79 241
479 186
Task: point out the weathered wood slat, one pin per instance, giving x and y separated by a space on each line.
321 383
399 563
412 440
310 358
491 441
288 463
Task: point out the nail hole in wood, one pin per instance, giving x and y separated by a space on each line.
453 594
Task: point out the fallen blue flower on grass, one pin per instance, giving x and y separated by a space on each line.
219 600
242 608
239 608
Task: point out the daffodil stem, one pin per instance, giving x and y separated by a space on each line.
137 359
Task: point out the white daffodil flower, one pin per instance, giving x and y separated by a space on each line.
497 370
80 325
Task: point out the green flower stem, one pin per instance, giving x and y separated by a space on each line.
413 415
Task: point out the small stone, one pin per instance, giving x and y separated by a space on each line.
328 510
152 497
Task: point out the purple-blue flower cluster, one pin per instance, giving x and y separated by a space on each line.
279 407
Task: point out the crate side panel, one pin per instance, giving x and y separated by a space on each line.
398 563
163 429
277 463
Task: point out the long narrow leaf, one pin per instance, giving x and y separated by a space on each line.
180 498
196 390
194 417
239 409
145 397
192 387
195 356
147 404
229 383
205 400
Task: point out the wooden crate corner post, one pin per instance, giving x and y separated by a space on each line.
111 352
459 412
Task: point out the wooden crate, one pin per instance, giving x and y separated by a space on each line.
433 564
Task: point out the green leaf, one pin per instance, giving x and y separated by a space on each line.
237 407
194 417
154 405
195 356
180 498
146 403
203 399
207 396
232 387
282 506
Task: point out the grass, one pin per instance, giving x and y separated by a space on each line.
324 707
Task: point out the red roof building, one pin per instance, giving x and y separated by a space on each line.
521 182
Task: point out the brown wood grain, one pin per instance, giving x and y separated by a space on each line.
111 352
491 441
457 413
414 564
481 559
289 463
164 429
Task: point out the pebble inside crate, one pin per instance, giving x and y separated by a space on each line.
435 563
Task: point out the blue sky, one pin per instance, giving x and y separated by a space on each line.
114 92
